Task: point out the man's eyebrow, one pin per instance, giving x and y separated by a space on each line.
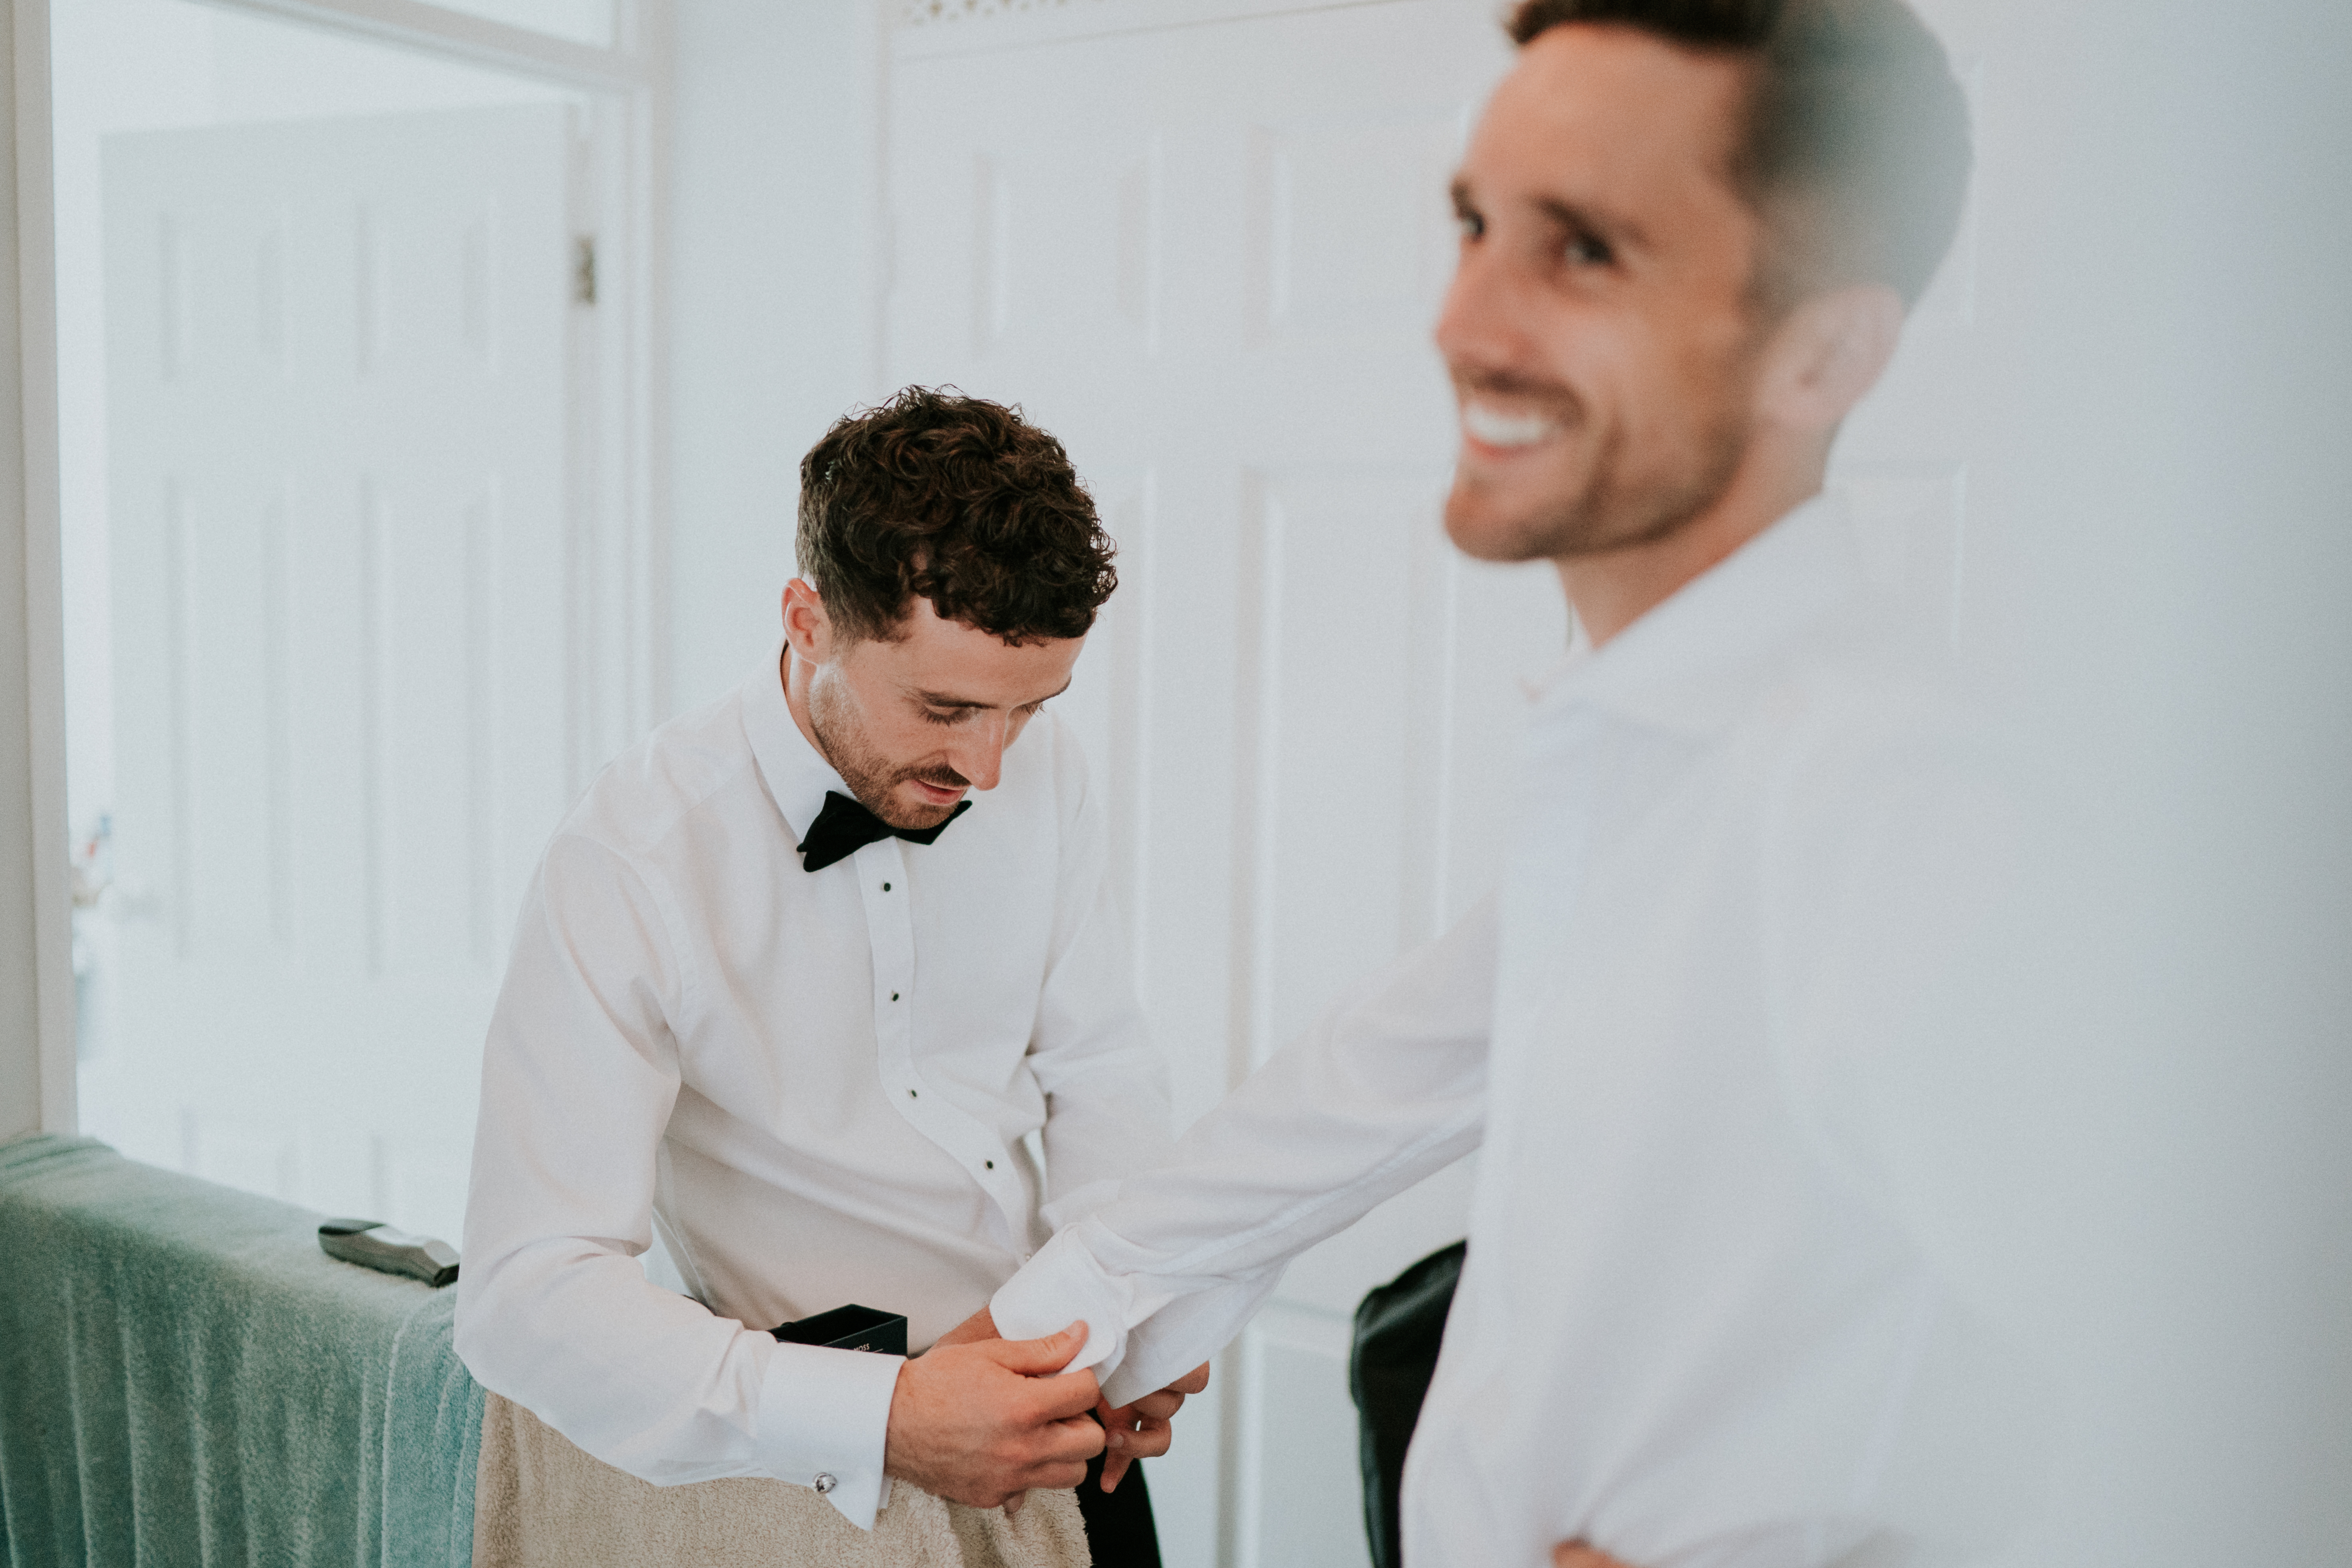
943 700
1567 215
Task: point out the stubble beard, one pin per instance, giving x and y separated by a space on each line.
1612 509
872 778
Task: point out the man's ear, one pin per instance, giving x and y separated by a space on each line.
807 627
1830 351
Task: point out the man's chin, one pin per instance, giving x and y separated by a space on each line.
1487 523
908 809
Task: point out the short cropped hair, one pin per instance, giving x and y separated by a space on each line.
958 499
1855 152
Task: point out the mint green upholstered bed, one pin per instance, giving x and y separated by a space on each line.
186 1378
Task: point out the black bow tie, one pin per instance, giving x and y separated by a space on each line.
843 827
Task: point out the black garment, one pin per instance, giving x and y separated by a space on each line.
1120 1531
1399 1326
843 827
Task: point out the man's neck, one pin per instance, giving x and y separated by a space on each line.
1610 591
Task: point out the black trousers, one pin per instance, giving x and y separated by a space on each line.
1399 1328
1120 1531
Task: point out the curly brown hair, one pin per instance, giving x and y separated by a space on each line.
960 501
1853 105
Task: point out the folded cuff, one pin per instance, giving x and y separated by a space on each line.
1061 1286
824 1420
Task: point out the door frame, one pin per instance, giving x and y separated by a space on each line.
37 1001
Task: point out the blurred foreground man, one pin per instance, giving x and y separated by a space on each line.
784 994
1692 1330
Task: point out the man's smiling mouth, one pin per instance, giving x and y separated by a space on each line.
1491 426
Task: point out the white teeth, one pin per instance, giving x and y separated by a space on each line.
1497 428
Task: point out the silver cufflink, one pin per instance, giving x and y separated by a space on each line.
824 1483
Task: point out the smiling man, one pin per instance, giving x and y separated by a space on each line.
1697 1327
785 994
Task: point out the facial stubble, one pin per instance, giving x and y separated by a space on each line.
1611 509
872 778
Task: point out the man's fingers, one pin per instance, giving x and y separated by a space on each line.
1061 1455
1074 1440
1160 1406
1057 1398
1129 1436
1193 1382
1125 1447
1038 1358
1148 1441
1576 1554
1116 1427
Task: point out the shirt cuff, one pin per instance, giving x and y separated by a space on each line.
1061 1286
824 1419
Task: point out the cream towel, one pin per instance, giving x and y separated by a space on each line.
541 1502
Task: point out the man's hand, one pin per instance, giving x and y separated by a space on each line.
1576 1554
1136 1431
981 1325
1140 1430
982 1422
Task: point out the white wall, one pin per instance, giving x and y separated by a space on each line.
773 284
2166 565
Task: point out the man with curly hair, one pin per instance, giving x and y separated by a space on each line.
786 996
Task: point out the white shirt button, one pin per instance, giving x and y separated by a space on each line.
824 1483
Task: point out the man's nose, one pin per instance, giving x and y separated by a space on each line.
1474 328
979 752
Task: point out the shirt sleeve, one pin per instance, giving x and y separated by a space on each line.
1106 1085
579 1076
1387 1088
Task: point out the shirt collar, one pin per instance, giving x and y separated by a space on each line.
1692 663
796 773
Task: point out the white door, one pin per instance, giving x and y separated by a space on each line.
337 370
1208 251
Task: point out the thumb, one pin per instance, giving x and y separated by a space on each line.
1038 1358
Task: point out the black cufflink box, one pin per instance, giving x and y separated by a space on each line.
848 1329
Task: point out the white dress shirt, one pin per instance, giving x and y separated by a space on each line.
1693 1329
816 1084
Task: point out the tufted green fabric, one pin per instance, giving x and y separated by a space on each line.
186 1378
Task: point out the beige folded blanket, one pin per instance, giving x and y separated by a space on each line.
541 1502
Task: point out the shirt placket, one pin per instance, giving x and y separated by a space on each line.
897 1008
